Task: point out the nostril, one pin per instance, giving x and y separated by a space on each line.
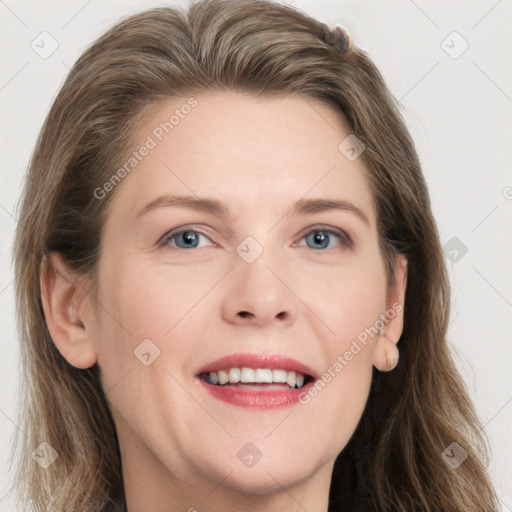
244 314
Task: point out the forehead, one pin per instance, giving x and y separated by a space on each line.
251 152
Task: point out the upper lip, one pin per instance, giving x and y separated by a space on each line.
270 361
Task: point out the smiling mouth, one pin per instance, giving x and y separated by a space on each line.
257 379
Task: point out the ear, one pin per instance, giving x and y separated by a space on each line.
385 355
65 303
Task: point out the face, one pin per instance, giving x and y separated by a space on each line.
242 238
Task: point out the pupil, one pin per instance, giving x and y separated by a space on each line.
320 237
189 237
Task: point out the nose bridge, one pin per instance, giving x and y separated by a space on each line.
258 293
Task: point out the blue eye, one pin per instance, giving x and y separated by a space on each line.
318 238
184 239
321 238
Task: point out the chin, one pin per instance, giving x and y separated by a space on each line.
264 477
265 481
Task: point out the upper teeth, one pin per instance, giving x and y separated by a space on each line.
258 375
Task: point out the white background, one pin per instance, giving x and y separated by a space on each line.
459 111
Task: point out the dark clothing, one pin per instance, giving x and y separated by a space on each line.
112 508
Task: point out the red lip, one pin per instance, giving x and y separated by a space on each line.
257 398
271 361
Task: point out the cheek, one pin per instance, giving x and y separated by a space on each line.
149 300
347 298
132 309
150 308
349 302
142 320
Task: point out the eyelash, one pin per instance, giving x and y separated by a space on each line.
341 235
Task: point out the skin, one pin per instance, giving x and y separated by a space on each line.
178 444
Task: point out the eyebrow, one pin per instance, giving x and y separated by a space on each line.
220 209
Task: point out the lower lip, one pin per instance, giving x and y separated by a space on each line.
257 399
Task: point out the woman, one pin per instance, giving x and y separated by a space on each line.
230 285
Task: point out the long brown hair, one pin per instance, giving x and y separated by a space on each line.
394 461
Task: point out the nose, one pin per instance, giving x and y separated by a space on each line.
259 294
